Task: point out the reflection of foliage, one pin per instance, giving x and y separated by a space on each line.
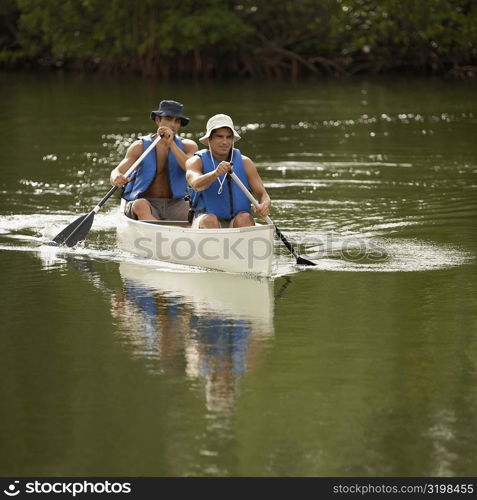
250 37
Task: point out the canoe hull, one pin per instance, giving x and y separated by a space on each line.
235 250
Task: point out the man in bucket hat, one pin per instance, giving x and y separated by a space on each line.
157 188
217 200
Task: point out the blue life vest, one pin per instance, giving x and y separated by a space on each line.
231 200
145 174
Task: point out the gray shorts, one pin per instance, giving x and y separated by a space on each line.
163 208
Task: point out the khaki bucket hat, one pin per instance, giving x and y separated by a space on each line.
218 121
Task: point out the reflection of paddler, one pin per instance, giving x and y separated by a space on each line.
163 317
225 294
151 324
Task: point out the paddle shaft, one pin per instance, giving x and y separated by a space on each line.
252 198
108 195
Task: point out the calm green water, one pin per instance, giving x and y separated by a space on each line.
364 366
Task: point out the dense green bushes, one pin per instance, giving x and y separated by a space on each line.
251 38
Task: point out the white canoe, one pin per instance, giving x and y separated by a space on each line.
234 250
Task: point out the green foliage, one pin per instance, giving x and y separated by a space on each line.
396 33
245 37
8 31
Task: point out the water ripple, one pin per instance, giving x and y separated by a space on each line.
332 252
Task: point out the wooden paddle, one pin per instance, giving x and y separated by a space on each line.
299 260
79 228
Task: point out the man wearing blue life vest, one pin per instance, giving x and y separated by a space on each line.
157 188
218 202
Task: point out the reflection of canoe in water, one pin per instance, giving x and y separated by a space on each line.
235 250
224 294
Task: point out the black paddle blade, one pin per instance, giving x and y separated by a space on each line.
299 260
76 231
304 262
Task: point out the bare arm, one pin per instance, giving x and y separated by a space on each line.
199 181
190 147
257 187
134 151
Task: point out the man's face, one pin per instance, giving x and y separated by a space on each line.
221 141
172 122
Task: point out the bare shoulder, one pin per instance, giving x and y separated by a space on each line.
137 145
248 163
190 145
189 142
194 163
135 149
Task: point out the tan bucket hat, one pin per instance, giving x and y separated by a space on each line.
218 121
